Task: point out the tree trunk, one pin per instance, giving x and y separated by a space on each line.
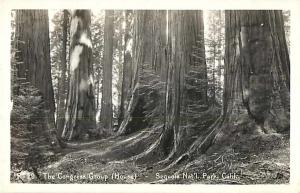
133 107
187 83
121 52
127 62
185 67
33 59
257 69
80 112
33 56
106 116
62 81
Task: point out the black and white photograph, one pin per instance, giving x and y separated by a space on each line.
150 96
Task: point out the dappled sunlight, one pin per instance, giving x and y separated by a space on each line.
75 57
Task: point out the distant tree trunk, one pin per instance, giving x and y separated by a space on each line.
127 62
98 94
121 52
33 56
135 68
80 107
257 70
62 81
220 55
106 116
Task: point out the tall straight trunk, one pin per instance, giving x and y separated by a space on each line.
187 64
33 55
184 56
127 62
149 45
120 63
98 94
62 80
220 54
135 70
160 56
106 116
213 75
80 107
158 42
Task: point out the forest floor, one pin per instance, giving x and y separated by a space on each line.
105 161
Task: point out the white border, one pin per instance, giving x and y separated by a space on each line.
7 5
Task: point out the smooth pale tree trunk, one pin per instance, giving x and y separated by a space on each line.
80 107
106 116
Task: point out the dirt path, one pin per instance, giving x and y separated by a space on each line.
103 162
101 158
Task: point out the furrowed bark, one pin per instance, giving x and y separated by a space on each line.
256 95
33 57
187 66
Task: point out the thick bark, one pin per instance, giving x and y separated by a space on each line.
257 70
33 56
62 81
187 68
257 75
106 116
80 107
184 59
33 62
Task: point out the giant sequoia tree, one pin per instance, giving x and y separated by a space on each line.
257 75
106 103
33 55
181 70
257 71
187 79
142 83
32 116
80 107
